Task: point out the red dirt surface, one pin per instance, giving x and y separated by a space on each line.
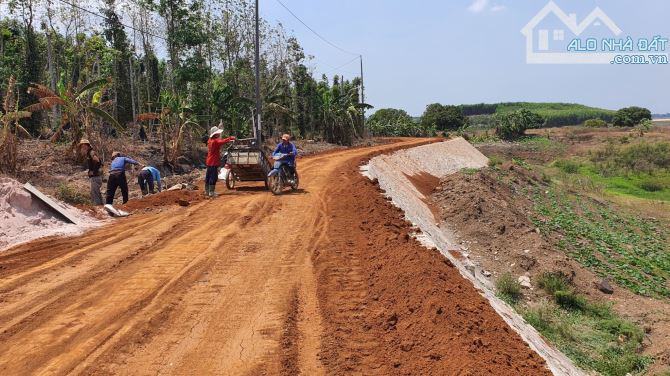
426 183
324 280
391 306
165 198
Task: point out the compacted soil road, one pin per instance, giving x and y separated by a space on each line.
326 280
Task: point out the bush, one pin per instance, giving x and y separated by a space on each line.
443 118
509 289
571 300
568 166
552 282
394 122
653 184
494 160
71 195
512 125
631 116
595 123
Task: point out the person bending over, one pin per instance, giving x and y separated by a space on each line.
117 177
146 179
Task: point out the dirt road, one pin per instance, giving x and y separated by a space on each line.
322 281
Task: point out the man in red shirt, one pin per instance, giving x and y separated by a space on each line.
214 159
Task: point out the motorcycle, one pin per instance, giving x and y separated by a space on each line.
281 176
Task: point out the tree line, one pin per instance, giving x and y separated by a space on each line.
510 120
181 66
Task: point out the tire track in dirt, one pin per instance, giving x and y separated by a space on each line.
247 283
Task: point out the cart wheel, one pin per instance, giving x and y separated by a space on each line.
276 185
230 180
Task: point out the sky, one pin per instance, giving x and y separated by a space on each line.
471 51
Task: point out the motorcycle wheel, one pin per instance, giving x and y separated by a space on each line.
296 181
230 180
276 184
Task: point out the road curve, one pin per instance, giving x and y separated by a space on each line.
247 283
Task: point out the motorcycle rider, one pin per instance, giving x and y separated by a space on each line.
288 148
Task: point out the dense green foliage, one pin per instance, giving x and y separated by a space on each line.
555 114
393 122
595 123
631 116
443 117
197 52
511 125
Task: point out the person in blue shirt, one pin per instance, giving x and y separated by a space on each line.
146 179
117 177
286 147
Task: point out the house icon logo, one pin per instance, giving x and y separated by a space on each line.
548 33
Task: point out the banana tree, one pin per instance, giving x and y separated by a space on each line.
9 121
78 107
175 122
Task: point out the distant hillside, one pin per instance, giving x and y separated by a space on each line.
556 114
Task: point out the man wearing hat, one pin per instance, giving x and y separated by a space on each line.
117 177
288 148
214 158
94 165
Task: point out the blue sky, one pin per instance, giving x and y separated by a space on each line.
472 51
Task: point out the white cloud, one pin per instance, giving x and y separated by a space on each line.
497 8
478 6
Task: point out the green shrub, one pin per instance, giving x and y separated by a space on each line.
541 318
512 125
494 160
652 184
469 171
71 195
568 299
631 116
568 166
508 288
552 282
595 123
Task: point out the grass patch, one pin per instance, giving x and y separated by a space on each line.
469 171
554 281
71 195
642 186
494 161
569 166
592 335
508 289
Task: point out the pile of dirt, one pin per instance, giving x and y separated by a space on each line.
492 219
24 218
421 318
183 197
